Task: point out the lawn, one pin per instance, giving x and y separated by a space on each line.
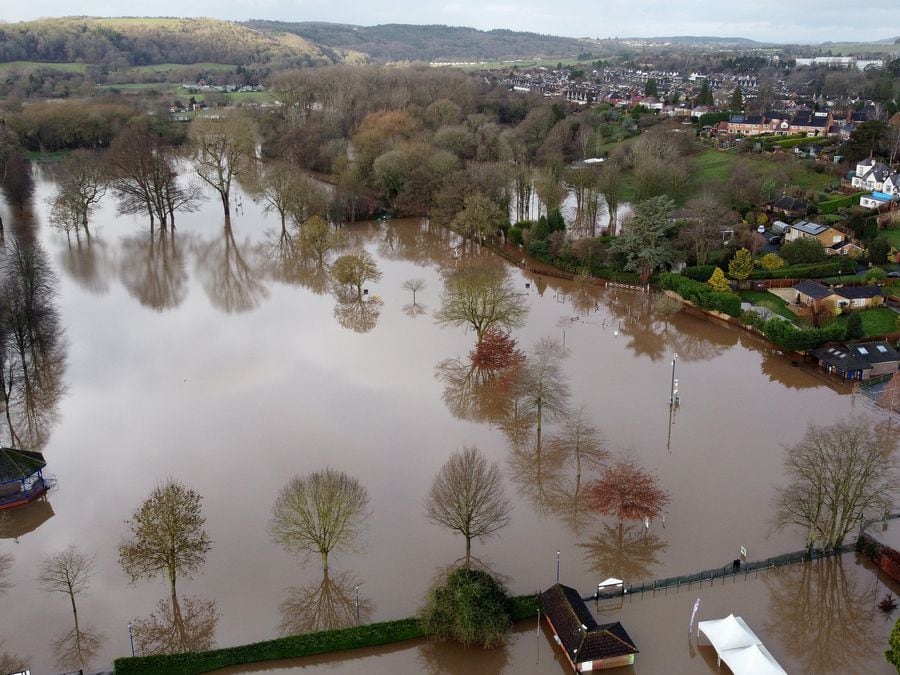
876 322
713 166
768 300
892 234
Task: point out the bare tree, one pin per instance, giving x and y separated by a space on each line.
581 442
355 269
413 286
838 475
483 298
611 184
81 184
319 513
224 147
166 535
317 238
666 306
467 496
68 572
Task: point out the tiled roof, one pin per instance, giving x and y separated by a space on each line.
813 289
858 292
578 632
19 464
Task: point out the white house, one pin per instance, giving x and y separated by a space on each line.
870 175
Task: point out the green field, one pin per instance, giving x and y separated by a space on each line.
716 166
851 48
24 66
169 67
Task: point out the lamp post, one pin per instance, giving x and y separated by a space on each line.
131 637
557 567
357 604
672 391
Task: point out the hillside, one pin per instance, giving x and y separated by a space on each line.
405 42
114 43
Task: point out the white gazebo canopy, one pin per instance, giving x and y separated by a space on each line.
738 647
732 632
752 660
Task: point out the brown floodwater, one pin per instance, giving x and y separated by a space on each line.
217 358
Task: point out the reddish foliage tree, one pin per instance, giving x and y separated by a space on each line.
627 492
496 351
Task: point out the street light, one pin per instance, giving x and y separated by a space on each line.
673 391
357 604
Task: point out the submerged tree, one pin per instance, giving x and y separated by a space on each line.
467 496
224 148
320 513
317 238
355 269
81 184
627 491
166 536
644 242
838 475
482 298
67 572
542 386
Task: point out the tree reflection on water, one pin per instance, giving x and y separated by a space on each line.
822 615
32 346
88 262
232 284
153 269
448 657
77 648
173 629
324 605
627 552
357 313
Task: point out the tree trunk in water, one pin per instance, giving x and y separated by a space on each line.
74 611
468 551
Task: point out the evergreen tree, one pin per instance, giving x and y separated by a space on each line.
737 100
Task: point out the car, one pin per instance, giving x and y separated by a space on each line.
775 240
761 229
894 274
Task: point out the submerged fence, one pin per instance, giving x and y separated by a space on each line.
735 569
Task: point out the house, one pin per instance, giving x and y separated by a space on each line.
858 297
810 292
811 123
788 206
586 644
844 248
858 361
871 175
876 200
824 234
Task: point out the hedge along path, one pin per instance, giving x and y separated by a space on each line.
309 644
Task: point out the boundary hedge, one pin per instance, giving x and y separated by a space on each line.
309 644
701 294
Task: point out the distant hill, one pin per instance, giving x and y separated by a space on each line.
699 41
405 42
149 41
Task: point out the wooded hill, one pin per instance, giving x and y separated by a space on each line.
406 42
123 42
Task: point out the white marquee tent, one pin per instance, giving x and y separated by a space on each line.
738 646
754 659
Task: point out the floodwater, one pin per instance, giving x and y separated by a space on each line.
216 358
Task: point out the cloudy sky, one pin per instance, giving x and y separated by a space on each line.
809 21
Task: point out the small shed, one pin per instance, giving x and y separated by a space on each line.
587 645
21 477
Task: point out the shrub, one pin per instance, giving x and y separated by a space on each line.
471 607
878 250
771 261
699 273
803 250
701 294
854 326
810 271
718 282
514 236
875 276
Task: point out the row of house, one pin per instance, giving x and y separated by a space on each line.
808 123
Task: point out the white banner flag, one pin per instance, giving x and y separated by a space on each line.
693 614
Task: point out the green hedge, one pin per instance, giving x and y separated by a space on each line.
294 646
309 644
831 268
699 272
701 294
788 336
842 202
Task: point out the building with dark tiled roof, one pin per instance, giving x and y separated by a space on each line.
858 361
586 644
